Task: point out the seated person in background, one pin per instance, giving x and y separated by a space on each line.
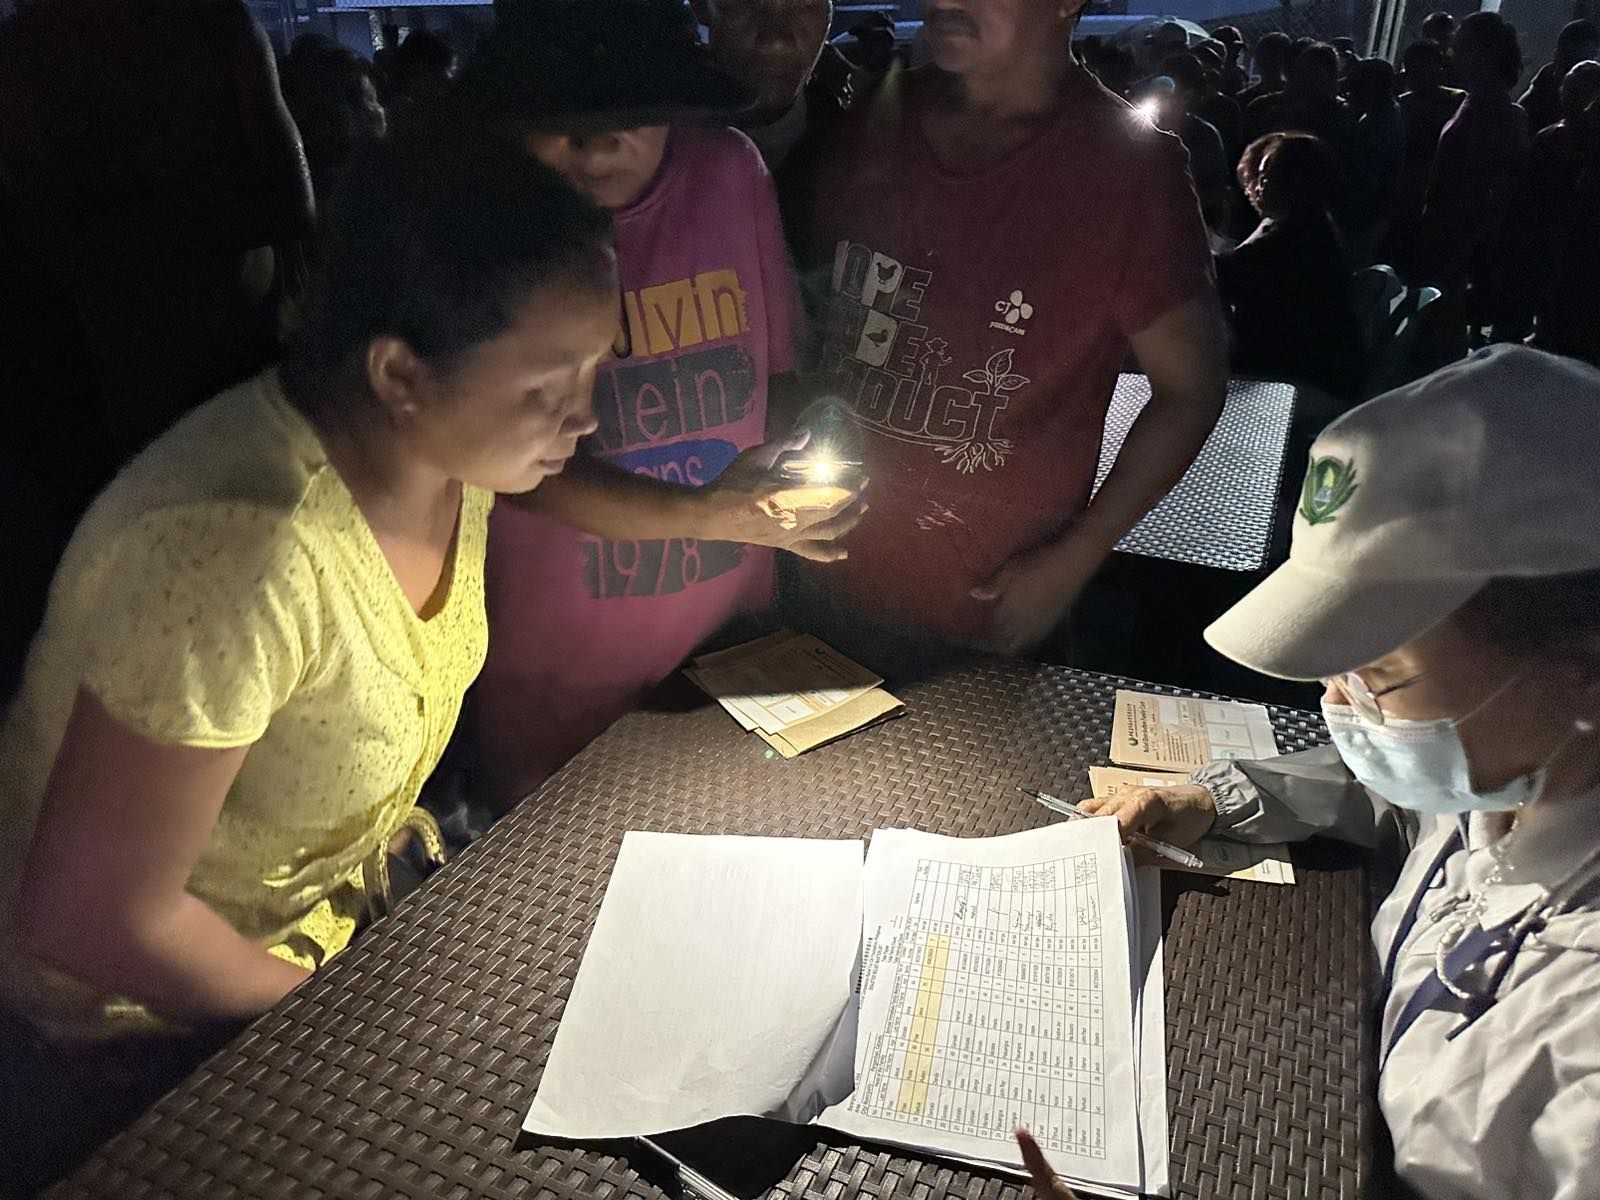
147 152
1578 41
995 230
1428 106
1287 286
258 641
335 105
1309 103
1377 150
1444 584
773 48
1477 179
630 561
1181 86
1271 64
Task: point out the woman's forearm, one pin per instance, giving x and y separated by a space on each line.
182 960
602 500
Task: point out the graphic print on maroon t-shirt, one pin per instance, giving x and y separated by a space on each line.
974 329
903 383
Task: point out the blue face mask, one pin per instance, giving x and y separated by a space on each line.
1420 765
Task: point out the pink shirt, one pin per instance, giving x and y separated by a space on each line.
581 627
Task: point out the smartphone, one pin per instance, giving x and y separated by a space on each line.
817 482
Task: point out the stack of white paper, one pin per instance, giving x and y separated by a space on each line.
1002 982
718 978
1003 985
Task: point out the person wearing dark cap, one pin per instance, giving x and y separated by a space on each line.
778 50
603 581
1578 41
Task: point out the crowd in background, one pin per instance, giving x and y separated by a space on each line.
1435 165
1431 165
161 218
267 624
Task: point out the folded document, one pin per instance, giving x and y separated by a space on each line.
793 691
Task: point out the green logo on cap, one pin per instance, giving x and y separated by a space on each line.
1329 486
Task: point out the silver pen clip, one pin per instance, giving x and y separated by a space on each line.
691 1179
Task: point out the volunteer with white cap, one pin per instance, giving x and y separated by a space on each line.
1445 582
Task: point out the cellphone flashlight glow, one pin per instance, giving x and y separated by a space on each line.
821 470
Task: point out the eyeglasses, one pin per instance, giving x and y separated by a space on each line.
1362 698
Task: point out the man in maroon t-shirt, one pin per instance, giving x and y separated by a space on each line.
995 232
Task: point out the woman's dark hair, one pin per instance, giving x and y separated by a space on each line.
1549 617
1304 172
437 235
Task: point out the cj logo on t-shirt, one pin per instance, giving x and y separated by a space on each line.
891 373
1013 310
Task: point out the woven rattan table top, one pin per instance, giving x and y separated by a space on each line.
1221 512
404 1068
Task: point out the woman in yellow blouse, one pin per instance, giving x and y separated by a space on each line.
257 643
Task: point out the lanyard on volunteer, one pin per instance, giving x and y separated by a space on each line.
1431 878
1435 993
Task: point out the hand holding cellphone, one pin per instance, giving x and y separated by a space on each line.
817 482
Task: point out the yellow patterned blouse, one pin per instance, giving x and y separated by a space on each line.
225 591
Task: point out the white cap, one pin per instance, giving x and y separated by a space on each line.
1417 499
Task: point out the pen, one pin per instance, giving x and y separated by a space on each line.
691 1180
1068 809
